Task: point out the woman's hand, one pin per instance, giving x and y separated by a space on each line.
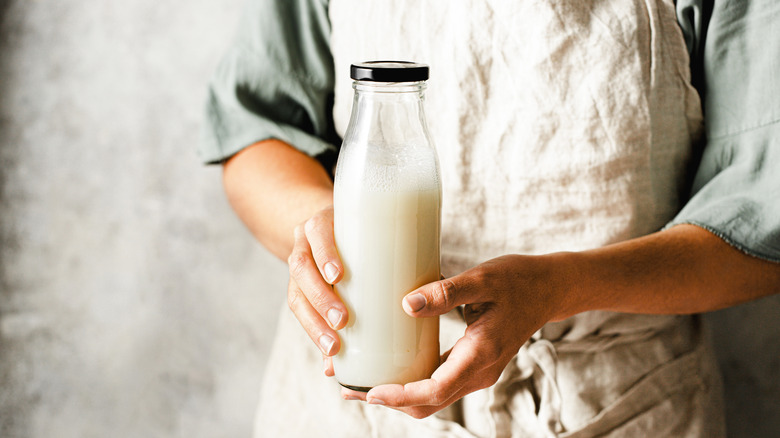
684 269
506 300
314 267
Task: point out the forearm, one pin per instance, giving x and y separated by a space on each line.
682 270
273 187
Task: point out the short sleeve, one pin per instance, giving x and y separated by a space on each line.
736 189
275 81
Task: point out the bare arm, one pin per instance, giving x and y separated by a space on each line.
273 187
285 198
685 269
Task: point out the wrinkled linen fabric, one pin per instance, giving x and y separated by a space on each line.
276 81
560 126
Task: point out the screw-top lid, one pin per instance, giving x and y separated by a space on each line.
389 71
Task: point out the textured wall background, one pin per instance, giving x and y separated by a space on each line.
132 302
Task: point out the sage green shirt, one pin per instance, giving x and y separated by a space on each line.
735 61
276 81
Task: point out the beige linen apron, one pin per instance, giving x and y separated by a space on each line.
560 125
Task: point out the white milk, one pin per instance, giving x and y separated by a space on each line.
389 244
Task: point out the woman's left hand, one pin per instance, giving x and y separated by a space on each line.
506 300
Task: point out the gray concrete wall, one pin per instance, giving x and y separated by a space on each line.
132 302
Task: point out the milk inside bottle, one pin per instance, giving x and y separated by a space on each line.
387 215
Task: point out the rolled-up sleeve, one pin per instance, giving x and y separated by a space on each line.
735 49
275 81
735 52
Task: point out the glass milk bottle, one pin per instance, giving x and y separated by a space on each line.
387 216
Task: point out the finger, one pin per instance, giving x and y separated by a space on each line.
439 297
417 412
318 293
323 336
319 233
444 356
420 412
351 394
327 365
461 370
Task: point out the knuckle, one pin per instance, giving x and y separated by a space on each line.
318 300
297 263
313 224
492 379
489 379
292 299
491 353
444 292
299 231
482 275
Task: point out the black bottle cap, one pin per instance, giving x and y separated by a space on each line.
389 71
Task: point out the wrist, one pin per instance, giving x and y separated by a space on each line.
568 279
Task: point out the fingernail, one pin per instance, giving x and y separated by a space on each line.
331 272
376 401
326 342
325 365
334 316
415 302
350 397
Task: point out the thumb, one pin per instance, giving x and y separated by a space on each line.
440 297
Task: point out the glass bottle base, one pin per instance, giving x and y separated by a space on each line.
357 388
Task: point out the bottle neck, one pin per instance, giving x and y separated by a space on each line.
369 87
388 113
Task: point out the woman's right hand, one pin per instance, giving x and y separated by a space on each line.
314 267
